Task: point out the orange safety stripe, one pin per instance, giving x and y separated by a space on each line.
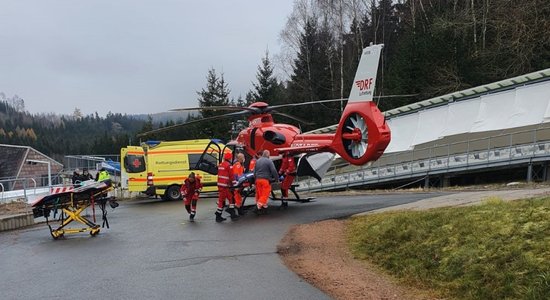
135 153
170 151
174 151
137 179
158 178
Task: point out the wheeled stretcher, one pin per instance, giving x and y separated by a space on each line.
72 203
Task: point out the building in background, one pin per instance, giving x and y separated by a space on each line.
23 166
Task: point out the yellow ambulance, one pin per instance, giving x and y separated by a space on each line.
160 167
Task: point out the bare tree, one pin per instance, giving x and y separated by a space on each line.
290 36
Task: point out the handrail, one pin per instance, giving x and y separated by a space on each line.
10 183
34 184
527 151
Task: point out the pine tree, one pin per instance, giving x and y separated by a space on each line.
300 85
267 88
216 93
147 126
240 102
311 79
77 114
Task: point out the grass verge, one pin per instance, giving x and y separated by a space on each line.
496 250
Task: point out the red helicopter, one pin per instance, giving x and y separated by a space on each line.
362 134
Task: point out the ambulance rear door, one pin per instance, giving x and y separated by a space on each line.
133 164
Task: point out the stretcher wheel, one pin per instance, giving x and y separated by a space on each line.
94 231
56 234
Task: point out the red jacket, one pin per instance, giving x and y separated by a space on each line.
238 170
188 188
225 174
252 165
288 167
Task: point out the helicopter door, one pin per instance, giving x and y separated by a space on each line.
209 159
230 149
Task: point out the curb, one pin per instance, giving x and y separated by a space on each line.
16 221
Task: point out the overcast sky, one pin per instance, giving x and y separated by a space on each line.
131 56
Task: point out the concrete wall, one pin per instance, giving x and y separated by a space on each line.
16 221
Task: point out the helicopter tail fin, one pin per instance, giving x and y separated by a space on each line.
365 77
363 134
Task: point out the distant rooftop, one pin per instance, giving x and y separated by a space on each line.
31 148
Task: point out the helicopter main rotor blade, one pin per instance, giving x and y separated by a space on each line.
229 115
292 117
217 108
336 100
306 103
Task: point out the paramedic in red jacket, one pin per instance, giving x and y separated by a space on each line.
288 171
190 190
225 179
238 171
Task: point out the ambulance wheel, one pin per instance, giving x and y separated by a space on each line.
172 193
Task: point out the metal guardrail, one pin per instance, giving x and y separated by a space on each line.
27 191
90 162
16 188
521 147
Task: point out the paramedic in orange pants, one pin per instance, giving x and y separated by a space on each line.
264 174
190 190
288 170
225 178
252 164
238 171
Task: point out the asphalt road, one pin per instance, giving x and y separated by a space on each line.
152 251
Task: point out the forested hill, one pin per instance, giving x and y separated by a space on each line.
431 47
59 135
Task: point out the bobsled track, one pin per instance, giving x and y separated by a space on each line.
499 126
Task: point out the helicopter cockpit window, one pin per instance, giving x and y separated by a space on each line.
274 137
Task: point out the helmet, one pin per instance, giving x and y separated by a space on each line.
227 156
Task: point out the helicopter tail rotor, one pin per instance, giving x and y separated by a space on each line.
362 133
355 145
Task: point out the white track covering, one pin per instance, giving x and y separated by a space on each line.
522 106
